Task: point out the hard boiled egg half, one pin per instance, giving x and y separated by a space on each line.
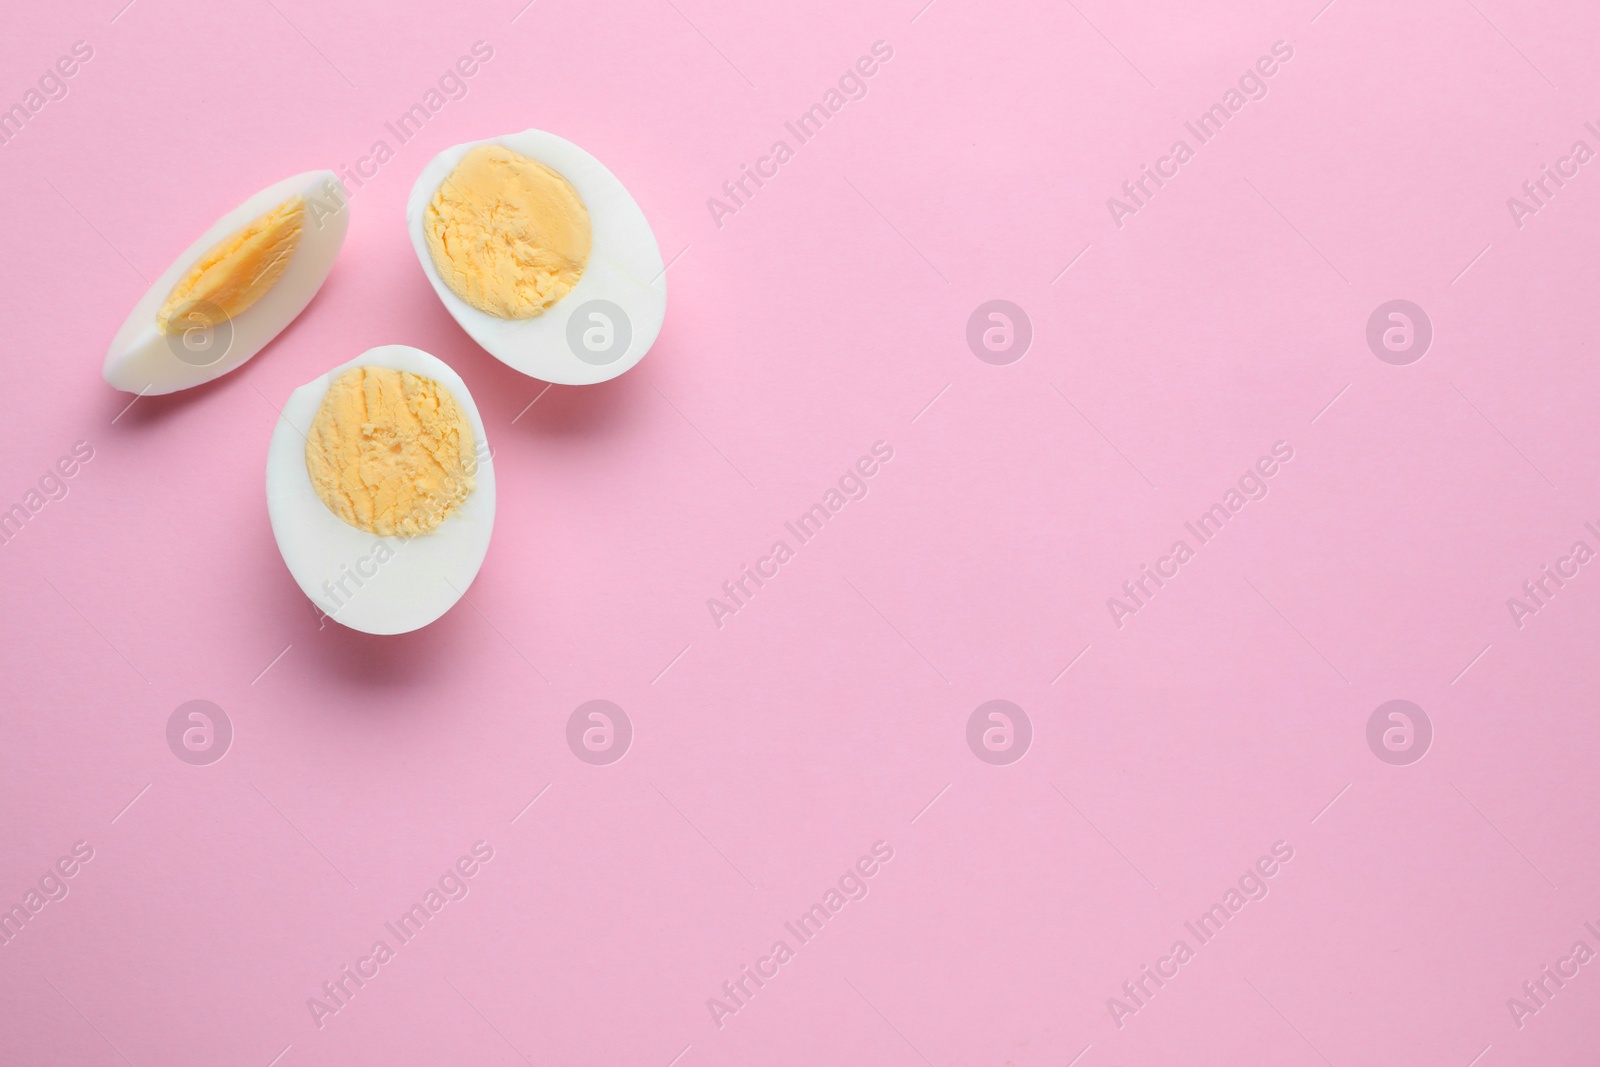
234 289
380 489
541 255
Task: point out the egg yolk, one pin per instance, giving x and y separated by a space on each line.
236 272
390 452
507 234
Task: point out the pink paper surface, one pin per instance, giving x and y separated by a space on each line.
1171 745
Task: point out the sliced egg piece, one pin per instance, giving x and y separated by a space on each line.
541 255
380 490
234 289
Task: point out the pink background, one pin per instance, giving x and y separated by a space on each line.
773 751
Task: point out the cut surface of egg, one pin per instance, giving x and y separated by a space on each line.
381 490
541 255
234 289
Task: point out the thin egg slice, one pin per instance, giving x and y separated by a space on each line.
541 255
234 289
380 490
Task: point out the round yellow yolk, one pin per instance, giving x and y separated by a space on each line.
235 272
507 234
390 452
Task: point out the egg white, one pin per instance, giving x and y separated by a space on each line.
142 359
426 574
625 266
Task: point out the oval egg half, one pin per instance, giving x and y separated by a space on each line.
234 289
599 323
416 558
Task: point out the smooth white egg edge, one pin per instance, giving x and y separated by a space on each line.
140 358
427 574
616 271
